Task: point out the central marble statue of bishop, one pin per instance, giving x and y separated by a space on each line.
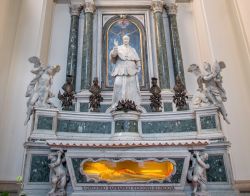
126 84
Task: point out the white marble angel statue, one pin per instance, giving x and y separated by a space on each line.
210 89
39 89
197 171
126 84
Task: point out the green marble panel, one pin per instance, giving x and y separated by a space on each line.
104 107
70 109
126 126
168 107
84 107
217 171
147 107
45 122
76 162
176 178
39 171
84 127
186 107
208 122
149 127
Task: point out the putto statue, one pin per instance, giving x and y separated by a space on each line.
39 89
210 89
58 173
197 172
126 84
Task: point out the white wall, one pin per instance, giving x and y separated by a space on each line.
208 30
189 42
58 49
225 43
25 44
9 11
242 12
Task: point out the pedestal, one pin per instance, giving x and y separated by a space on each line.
126 125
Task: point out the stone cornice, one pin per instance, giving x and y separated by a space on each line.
112 144
120 3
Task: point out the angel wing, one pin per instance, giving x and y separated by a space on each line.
222 64
38 71
195 69
55 69
35 60
218 66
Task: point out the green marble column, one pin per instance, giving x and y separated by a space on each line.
161 49
87 46
175 42
75 11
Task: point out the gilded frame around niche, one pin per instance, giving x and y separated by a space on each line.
140 47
